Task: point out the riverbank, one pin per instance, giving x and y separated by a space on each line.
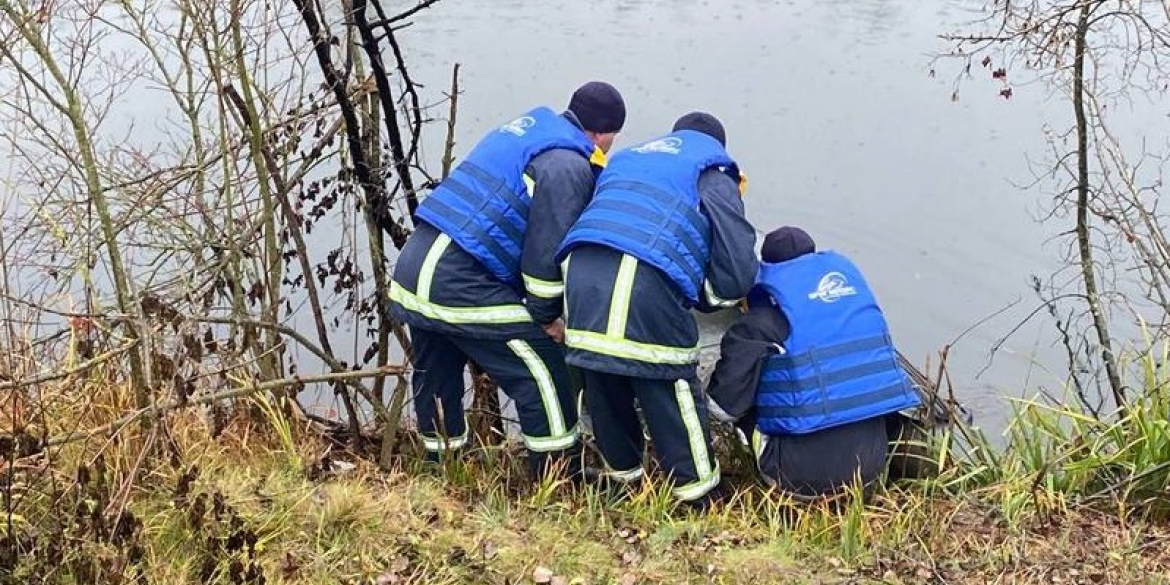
268 500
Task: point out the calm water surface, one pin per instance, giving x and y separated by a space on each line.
832 112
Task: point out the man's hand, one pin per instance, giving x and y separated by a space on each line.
556 330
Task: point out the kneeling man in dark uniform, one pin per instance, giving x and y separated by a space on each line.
809 372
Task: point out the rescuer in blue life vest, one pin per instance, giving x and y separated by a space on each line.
809 372
664 234
477 280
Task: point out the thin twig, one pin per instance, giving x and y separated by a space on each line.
374 190
153 412
411 91
407 13
317 351
82 367
389 111
449 147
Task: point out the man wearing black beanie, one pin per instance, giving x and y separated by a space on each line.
809 372
477 280
665 233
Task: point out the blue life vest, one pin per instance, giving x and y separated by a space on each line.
646 204
839 364
483 204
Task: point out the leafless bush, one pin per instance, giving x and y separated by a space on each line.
199 191
1101 54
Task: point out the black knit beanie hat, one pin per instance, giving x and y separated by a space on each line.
786 243
599 107
702 122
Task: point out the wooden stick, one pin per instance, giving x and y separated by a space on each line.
156 410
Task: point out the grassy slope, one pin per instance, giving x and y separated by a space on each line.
999 517
481 526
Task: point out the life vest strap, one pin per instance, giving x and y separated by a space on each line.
840 406
808 358
826 379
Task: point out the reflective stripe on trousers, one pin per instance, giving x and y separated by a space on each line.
709 474
438 443
559 437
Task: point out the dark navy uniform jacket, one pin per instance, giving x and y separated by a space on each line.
440 287
642 326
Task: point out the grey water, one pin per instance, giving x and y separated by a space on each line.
838 112
832 112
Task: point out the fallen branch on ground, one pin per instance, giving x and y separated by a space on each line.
78 369
156 410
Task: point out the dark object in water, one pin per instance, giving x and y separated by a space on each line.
909 455
910 431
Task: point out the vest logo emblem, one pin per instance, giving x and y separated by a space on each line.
668 145
832 287
519 126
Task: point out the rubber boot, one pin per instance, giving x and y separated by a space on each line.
566 463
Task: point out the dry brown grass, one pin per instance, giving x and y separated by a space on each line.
272 497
